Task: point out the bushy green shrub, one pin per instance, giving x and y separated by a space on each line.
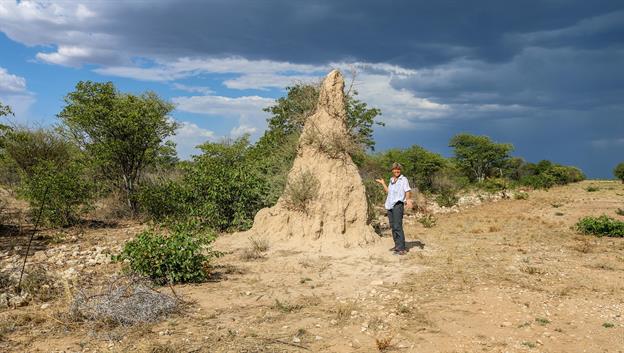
222 189
601 226
61 190
180 257
446 188
494 184
592 188
618 171
541 181
547 174
51 174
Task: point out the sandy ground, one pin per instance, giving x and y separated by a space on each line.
507 276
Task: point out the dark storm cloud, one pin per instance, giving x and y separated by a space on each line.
407 33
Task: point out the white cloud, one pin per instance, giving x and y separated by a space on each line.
223 106
267 80
193 89
242 129
14 93
188 136
11 84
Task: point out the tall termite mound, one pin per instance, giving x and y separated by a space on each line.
324 199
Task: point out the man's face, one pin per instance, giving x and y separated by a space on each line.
396 172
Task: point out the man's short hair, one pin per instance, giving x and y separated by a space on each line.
396 165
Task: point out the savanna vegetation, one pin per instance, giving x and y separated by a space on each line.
115 146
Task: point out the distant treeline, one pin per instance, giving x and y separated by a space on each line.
110 157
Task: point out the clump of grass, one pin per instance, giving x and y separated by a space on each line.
542 321
286 307
334 144
301 189
403 309
428 220
532 270
592 188
343 311
521 195
585 246
41 285
529 344
559 213
601 226
556 204
608 325
384 343
256 249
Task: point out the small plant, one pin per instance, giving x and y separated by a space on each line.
521 195
343 311
559 213
176 258
532 270
608 325
428 220
384 344
601 226
286 307
301 189
592 188
256 249
529 344
585 246
556 204
542 321
336 145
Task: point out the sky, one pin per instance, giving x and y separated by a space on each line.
546 76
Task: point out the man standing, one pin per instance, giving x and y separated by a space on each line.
399 194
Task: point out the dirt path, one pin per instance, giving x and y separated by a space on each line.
509 276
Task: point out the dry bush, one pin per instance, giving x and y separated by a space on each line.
301 189
343 311
18 321
334 144
428 220
286 307
40 285
384 343
126 301
256 249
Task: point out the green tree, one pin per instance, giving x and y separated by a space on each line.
5 110
123 134
479 156
289 113
51 174
618 171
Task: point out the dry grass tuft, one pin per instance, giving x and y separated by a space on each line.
384 344
256 250
301 190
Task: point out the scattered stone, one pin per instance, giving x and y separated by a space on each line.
45 306
296 339
377 283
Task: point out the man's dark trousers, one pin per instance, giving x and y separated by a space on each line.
395 215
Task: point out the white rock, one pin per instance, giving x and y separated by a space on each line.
377 283
296 339
70 273
45 306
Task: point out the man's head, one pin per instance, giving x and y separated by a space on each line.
396 169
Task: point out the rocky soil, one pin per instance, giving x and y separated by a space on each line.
505 276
